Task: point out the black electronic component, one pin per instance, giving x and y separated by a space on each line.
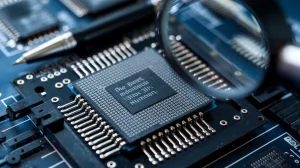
15 156
21 137
140 92
26 18
289 110
282 104
83 7
293 117
48 116
271 158
22 107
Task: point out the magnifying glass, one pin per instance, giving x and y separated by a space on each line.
224 48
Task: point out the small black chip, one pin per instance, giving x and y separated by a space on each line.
27 18
140 91
84 7
140 95
96 6
273 157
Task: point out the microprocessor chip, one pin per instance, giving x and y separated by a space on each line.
27 18
273 157
83 7
140 95
95 6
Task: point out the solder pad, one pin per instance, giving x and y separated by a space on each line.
174 99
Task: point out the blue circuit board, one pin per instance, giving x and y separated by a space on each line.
270 134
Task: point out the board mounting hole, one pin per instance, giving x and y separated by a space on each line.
39 89
13 158
22 151
223 122
261 118
15 140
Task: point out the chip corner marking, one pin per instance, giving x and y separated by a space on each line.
140 90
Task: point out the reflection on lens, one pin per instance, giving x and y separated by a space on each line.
217 44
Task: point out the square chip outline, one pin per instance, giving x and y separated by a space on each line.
18 25
133 127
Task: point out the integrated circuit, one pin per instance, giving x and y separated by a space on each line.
83 7
25 18
273 157
140 95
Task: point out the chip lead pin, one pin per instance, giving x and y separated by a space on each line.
222 86
81 67
75 69
70 103
90 126
178 48
91 132
161 138
210 79
130 48
123 48
182 53
97 59
187 140
97 135
73 107
162 151
103 138
180 142
107 54
198 134
113 53
105 155
206 75
82 108
195 139
156 154
188 55
200 126
150 158
90 115
103 58
87 122
86 64
111 140
188 61
86 111
216 83
201 72
92 62
195 63
109 147
118 50
204 122
201 66
175 146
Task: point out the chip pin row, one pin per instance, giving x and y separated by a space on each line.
250 49
196 67
92 127
103 59
176 138
143 37
76 7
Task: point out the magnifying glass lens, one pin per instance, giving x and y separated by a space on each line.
216 45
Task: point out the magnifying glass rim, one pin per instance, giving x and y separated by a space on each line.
263 17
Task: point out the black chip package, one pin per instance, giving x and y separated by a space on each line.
95 6
140 95
273 157
27 18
